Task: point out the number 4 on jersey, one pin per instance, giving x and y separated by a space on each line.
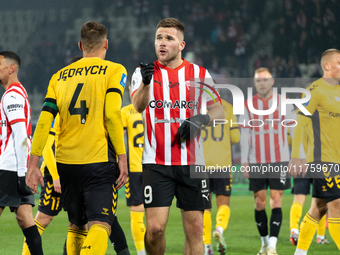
83 110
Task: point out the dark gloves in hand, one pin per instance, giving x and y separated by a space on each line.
192 124
147 72
23 189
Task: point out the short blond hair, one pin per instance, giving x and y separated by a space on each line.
263 69
325 56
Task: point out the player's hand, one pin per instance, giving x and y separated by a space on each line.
34 175
123 172
191 125
295 167
23 189
147 72
245 166
57 186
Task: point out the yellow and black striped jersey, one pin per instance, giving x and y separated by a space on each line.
87 94
49 150
324 105
217 140
133 124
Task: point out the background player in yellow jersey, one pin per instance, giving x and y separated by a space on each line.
301 188
87 95
217 143
323 154
134 130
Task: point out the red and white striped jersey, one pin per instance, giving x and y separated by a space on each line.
264 137
172 100
15 108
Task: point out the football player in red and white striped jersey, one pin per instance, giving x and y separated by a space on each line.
264 144
171 113
15 143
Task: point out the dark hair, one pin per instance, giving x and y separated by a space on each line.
11 55
171 22
92 35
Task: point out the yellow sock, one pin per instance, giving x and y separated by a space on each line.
334 230
307 230
75 240
96 241
207 227
137 229
321 227
41 229
222 216
295 215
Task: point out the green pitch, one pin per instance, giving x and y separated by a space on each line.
241 236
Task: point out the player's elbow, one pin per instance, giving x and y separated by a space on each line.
235 136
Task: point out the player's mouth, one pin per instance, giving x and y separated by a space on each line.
162 51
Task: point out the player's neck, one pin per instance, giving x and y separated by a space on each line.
330 80
96 54
265 96
173 63
10 81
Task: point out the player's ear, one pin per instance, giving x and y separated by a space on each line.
80 46
106 44
12 68
182 45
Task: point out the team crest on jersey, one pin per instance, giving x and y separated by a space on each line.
123 80
187 85
337 98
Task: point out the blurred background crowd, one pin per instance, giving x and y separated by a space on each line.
231 38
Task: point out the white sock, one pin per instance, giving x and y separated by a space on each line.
300 252
272 242
295 230
207 247
220 229
321 237
265 240
142 252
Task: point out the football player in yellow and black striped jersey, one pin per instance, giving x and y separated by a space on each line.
323 155
217 143
87 95
134 130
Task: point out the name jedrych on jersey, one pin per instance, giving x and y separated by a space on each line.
177 104
68 73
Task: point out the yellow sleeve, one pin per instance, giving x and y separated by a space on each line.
124 116
113 114
49 157
41 133
299 129
47 115
235 134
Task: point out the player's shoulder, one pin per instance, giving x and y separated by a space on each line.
316 86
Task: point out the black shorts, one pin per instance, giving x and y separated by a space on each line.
134 189
89 192
9 195
301 186
326 183
277 180
161 183
220 186
50 202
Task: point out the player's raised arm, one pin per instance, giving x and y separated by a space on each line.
140 85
